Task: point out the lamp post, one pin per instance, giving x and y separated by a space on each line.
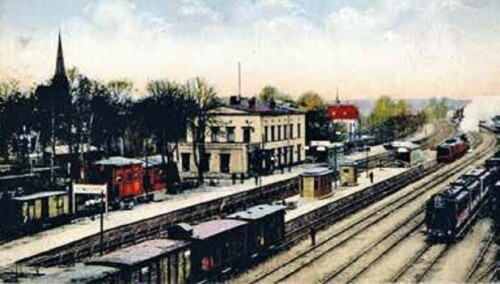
366 161
101 233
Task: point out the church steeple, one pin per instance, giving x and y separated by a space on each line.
60 79
60 70
337 99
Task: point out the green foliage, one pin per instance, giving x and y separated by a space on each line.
269 93
311 101
436 109
386 108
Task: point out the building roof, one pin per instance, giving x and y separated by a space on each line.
257 212
118 161
245 105
343 111
77 274
318 171
39 195
152 161
212 228
140 253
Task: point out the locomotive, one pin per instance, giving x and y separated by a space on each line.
452 149
450 212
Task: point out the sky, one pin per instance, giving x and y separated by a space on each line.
366 48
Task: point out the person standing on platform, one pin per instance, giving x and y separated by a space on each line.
371 177
312 232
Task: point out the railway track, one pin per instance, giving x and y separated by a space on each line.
422 263
305 259
473 275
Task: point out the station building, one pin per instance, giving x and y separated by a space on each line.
248 137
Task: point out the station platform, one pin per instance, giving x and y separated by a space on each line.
426 131
305 206
40 242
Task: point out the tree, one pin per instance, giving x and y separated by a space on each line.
310 101
436 109
205 101
401 107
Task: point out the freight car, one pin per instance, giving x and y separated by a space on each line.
29 213
450 212
124 177
203 252
452 149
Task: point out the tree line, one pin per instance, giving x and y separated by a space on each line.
107 116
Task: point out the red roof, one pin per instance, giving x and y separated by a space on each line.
343 111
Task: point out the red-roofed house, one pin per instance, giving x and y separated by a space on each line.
347 114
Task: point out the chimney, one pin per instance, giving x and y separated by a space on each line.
251 103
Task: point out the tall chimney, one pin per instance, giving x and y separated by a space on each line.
239 80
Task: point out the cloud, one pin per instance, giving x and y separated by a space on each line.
198 10
402 48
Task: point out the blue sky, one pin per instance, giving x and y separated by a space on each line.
400 48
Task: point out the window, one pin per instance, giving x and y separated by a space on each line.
272 133
279 132
225 162
298 130
299 153
185 162
284 132
215 133
266 134
230 134
291 131
246 134
205 163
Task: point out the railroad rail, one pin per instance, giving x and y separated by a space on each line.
325 217
156 226
480 258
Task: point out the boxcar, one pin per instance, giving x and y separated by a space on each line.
316 182
124 177
153 261
154 176
217 245
30 212
266 227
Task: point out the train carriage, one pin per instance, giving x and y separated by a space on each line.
30 212
154 177
266 227
218 244
153 261
124 177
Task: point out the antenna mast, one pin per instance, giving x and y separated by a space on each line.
239 80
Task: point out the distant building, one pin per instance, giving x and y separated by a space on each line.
250 137
347 114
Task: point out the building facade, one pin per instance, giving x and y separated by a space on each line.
347 114
248 138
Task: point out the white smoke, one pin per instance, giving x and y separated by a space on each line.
480 108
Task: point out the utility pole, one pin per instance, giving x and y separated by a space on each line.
101 233
53 147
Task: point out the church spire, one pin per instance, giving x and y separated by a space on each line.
60 70
337 99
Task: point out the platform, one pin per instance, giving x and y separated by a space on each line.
40 242
304 206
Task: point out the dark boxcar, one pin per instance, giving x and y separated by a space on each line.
266 227
30 212
153 261
217 245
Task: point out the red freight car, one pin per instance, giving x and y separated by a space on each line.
154 177
124 178
452 149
